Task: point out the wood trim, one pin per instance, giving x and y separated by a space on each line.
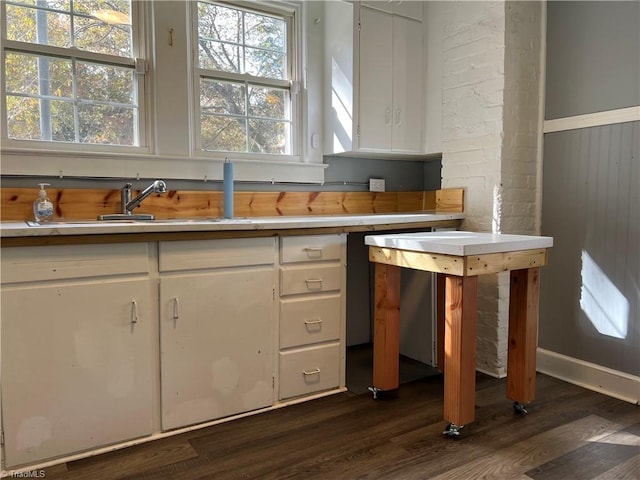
429 262
462 266
76 204
598 119
501 262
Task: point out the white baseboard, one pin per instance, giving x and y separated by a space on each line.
589 375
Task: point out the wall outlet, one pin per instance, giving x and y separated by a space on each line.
376 184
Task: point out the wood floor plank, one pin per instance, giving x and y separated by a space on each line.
629 470
602 458
127 461
517 459
349 436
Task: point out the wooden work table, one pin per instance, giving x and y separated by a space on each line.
459 258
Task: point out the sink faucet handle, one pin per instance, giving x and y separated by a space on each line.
160 186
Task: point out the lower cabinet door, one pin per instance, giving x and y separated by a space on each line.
77 367
309 370
217 336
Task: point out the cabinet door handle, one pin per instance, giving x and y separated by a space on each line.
314 252
176 309
134 312
387 116
314 283
313 322
315 371
398 116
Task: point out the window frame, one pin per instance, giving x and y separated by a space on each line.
140 52
291 14
167 44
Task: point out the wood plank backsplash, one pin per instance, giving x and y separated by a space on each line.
16 203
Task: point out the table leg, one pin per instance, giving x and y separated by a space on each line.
440 309
386 328
523 334
461 315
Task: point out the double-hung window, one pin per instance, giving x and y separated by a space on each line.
245 79
71 72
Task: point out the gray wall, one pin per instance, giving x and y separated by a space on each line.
590 291
342 174
592 57
591 206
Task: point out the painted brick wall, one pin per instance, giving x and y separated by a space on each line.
490 137
522 119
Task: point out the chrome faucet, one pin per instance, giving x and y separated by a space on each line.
125 195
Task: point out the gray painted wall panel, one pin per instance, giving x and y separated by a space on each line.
591 206
593 57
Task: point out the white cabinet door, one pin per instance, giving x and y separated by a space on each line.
376 80
217 339
390 83
407 85
77 366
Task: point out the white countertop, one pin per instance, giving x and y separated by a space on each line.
458 243
94 227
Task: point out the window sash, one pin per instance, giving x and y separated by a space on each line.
74 55
292 132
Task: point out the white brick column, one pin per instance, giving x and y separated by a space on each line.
490 98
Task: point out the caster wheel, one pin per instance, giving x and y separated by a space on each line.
379 394
375 392
453 430
519 408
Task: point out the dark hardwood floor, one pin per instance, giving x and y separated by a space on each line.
569 433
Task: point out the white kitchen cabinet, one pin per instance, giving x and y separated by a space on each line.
391 84
217 328
374 59
312 314
77 348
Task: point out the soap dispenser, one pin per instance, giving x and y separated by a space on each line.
42 206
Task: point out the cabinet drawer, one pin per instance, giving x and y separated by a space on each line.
309 320
25 264
203 254
309 370
319 278
310 248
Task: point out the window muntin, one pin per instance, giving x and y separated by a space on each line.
244 61
70 74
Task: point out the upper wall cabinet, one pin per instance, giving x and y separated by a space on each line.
390 107
375 62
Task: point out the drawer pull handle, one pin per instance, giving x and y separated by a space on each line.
176 309
313 322
314 283
314 252
134 312
315 371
